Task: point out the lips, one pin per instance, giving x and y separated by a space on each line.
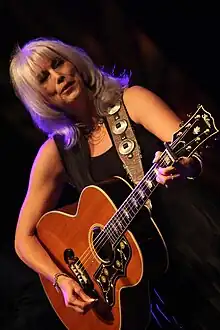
66 86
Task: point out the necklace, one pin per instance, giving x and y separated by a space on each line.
98 134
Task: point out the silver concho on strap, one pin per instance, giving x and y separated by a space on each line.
126 147
120 126
114 109
126 144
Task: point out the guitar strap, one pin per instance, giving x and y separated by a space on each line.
126 143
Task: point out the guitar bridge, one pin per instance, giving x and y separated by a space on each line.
80 273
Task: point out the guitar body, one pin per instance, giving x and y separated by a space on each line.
119 275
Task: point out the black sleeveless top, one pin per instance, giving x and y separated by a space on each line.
109 164
82 169
189 222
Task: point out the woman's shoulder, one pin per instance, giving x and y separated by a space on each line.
135 98
48 148
135 91
48 157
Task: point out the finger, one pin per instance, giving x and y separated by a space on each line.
79 291
160 179
166 179
157 156
166 170
76 308
74 301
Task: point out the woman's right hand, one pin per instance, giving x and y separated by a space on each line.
73 295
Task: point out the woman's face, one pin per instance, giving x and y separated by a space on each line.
61 83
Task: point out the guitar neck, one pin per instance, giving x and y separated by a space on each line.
191 135
119 223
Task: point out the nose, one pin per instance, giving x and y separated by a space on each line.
58 76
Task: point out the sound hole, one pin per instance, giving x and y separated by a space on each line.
102 245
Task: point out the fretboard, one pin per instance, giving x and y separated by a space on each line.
125 214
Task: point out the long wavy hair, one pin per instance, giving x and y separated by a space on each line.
106 89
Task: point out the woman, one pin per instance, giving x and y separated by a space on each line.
68 97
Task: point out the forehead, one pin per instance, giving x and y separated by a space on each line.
43 63
41 57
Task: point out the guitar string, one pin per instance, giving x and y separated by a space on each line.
103 236
143 187
137 192
97 240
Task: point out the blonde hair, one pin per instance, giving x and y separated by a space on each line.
106 89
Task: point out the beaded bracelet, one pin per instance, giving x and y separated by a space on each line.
55 283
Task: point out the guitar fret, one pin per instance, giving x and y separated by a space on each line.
126 214
120 225
149 184
114 229
141 193
134 202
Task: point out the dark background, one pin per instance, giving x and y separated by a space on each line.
171 47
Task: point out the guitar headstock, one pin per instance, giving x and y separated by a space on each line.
194 133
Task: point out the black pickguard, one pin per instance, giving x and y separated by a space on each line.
107 274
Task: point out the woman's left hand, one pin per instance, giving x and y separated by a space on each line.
185 167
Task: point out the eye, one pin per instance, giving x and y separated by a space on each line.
57 62
42 77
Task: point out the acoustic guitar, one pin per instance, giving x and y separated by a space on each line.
110 244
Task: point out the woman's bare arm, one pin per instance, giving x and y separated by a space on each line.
45 186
